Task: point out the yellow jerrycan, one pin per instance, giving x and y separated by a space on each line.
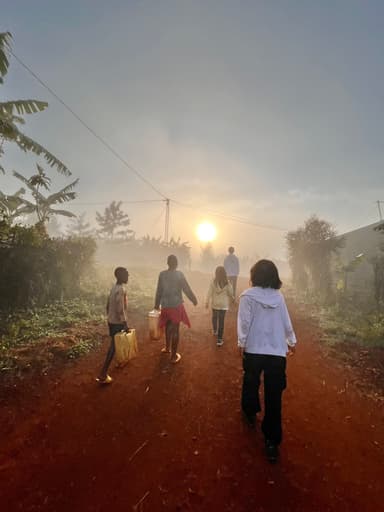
153 324
125 346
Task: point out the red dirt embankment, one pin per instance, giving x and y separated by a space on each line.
170 437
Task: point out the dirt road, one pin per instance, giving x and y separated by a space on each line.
170 438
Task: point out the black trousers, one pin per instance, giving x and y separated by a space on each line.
218 316
275 382
113 329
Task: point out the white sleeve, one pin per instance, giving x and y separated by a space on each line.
289 332
244 318
209 294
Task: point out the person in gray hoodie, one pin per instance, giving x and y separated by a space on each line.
169 295
265 336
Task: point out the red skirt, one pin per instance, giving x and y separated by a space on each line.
174 315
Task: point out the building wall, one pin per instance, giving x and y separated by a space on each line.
365 241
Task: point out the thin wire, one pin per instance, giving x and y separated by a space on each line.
96 135
127 164
231 217
100 203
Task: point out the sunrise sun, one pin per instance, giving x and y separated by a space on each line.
206 232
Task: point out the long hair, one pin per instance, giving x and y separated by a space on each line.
221 278
264 273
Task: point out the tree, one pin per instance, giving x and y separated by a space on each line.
182 250
78 227
297 258
114 223
11 206
43 206
11 112
207 257
310 249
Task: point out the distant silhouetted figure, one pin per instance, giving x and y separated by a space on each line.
232 267
220 295
265 335
117 307
169 295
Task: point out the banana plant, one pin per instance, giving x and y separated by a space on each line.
13 206
11 113
43 206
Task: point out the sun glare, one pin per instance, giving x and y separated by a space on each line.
206 232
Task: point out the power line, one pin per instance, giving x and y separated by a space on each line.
127 164
231 217
100 203
96 135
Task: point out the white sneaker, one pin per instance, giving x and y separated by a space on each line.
220 342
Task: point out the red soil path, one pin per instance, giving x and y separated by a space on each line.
172 435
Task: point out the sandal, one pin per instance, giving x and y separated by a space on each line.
177 359
107 380
164 350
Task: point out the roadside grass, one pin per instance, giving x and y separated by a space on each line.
59 330
364 328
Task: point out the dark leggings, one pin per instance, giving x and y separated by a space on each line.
218 316
172 337
274 385
113 329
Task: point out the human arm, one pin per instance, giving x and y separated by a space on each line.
289 332
209 295
121 305
159 292
187 290
244 320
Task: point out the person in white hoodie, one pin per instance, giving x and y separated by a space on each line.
220 295
265 336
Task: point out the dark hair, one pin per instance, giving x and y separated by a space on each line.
231 249
172 261
121 274
221 276
264 273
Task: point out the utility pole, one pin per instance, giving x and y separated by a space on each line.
379 208
166 229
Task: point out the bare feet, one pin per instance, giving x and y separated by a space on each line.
176 359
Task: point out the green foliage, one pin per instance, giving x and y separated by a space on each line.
25 325
43 206
352 323
5 46
10 112
12 205
79 227
81 348
309 250
114 222
35 269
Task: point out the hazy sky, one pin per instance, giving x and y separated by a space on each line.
267 110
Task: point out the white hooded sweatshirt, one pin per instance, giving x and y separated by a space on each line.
220 298
263 322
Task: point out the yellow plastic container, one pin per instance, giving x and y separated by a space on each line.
126 346
153 324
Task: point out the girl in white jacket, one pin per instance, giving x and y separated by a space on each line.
220 294
265 335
